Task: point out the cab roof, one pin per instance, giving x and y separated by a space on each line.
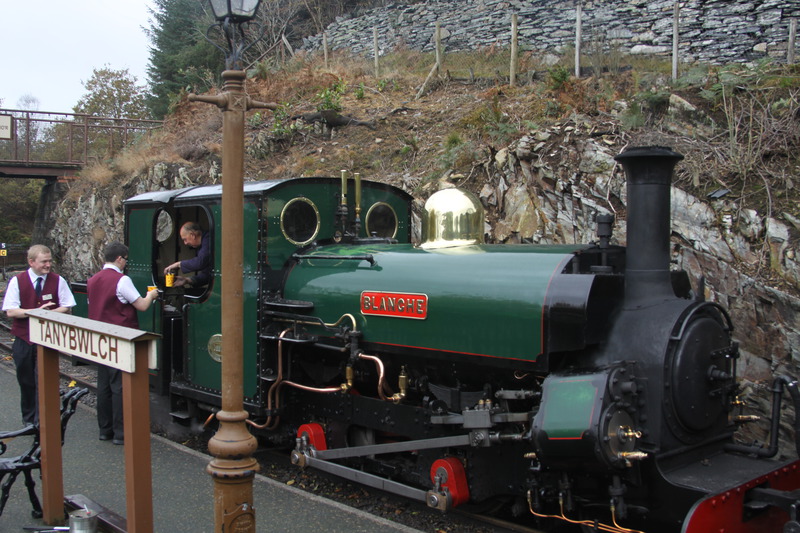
203 191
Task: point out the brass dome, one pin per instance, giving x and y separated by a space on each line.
452 217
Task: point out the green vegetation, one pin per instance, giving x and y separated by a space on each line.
113 93
181 59
330 99
559 76
18 201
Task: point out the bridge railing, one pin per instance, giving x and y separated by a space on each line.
64 139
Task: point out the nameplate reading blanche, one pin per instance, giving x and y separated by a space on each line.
395 304
92 340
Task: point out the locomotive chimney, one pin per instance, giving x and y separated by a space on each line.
649 177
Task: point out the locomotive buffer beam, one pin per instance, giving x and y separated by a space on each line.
762 497
320 459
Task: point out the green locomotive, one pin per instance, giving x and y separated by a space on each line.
584 383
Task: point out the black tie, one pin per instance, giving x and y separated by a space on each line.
38 288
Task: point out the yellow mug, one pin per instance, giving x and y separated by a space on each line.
151 288
169 280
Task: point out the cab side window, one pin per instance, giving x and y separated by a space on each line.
183 236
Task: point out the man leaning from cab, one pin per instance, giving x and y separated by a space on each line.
193 236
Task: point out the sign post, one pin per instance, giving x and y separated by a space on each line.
119 347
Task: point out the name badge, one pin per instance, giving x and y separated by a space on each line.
47 297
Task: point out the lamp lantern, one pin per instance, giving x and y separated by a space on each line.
235 10
234 17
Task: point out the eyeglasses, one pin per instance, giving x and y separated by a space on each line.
125 257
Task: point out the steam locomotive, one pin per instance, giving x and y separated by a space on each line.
587 384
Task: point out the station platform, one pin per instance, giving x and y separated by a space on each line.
182 491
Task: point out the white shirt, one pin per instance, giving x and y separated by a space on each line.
126 292
11 300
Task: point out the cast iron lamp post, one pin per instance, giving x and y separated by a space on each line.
232 446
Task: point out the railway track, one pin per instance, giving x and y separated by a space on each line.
274 464
6 339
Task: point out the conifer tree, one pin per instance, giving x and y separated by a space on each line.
181 59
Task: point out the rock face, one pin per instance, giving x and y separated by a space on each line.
548 187
714 31
87 220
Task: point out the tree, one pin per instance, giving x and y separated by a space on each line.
27 132
181 58
29 102
113 93
18 201
110 93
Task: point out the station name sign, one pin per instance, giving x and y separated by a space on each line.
395 304
92 340
6 127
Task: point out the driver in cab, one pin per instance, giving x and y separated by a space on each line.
193 236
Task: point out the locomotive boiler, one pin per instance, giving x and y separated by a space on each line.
588 384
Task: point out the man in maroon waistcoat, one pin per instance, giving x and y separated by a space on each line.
113 299
36 288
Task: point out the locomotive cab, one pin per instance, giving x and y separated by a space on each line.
280 218
153 222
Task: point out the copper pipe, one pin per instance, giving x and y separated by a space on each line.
277 386
381 373
273 398
324 390
616 528
269 424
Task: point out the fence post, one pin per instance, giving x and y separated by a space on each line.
375 47
512 78
27 137
675 39
792 37
325 48
85 139
578 15
438 38
15 138
436 66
